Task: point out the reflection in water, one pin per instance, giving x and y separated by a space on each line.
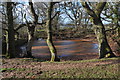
66 48
63 55
95 46
23 48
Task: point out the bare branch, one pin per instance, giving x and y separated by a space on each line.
55 14
23 25
105 19
100 7
4 29
3 22
111 29
20 26
68 14
88 9
45 4
33 13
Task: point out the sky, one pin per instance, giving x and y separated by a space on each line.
66 18
59 0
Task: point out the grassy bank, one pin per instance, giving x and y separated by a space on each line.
35 68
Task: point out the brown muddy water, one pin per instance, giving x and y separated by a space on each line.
67 49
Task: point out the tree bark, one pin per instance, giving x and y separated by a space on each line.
4 45
104 48
49 35
118 33
31 30
11 35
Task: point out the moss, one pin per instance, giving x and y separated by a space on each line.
52 50
21 69
107 49
107 55
29 74
52 57
7 69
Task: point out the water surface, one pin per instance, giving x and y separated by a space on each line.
68 49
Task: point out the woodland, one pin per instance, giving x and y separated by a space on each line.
60 40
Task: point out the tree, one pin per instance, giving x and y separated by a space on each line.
111 14
11 35
49 33
4 21
31 29
76 13
104 48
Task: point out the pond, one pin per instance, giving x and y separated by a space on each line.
68 49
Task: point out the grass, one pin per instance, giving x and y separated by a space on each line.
7 69
31 59
92 60
96 71
108 71
11 69
101 71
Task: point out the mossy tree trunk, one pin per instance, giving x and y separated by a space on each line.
104 48
49 34
118 24
118 35
11 35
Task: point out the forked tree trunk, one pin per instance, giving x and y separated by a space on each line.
11 35
104 48
49 35
31 30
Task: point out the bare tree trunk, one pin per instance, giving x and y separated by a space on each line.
104 48
118 35
30 40
31 30
119 31
4 45
11 35
49 33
